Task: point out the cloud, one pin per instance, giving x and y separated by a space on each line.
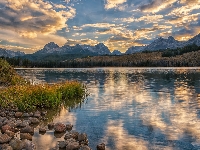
82 41
29 18
184 21
157 5
110 4
16 42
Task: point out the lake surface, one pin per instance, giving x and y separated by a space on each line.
130 108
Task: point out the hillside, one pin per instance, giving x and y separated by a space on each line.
8 76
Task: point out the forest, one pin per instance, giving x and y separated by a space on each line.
188 56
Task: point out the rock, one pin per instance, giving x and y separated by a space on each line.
28 145
18 123
73 146
72 134
5 127
34 120
10 133
62 144
31 114
2 114
27 129
37 114
25 136
17 144
43 113
50 126
69 127
43 130
26 115
18 114
6 147
101 146
4 138
59 127
82 137
85 147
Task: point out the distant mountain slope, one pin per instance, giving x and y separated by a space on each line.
161 44
116 52
10 54
135 49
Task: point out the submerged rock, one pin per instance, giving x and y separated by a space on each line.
101 146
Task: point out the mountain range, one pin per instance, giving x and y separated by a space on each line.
100 49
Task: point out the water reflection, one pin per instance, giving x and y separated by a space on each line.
132 108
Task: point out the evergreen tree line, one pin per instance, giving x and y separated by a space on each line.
187 56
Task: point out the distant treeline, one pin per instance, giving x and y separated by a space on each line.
187 56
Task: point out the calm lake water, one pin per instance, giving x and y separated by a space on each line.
130 108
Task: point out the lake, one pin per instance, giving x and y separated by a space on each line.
130 108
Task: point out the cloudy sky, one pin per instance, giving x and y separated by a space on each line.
27 25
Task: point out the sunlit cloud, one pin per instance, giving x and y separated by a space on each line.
114 4
157 5
29 18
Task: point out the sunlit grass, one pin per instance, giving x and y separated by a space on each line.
8 76
29 97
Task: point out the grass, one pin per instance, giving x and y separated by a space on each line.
8 76
21 94
30 97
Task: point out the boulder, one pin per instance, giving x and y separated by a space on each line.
101 146
25 136
69 127
10 133
37 114
50 126
27 129
73 146
28 145
62 144
82 137
26 115
34 120
17 144
59 127
4 138
5 127
85 147
2 114
6 147
18 114
43 130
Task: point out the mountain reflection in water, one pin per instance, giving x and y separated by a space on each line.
131 108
